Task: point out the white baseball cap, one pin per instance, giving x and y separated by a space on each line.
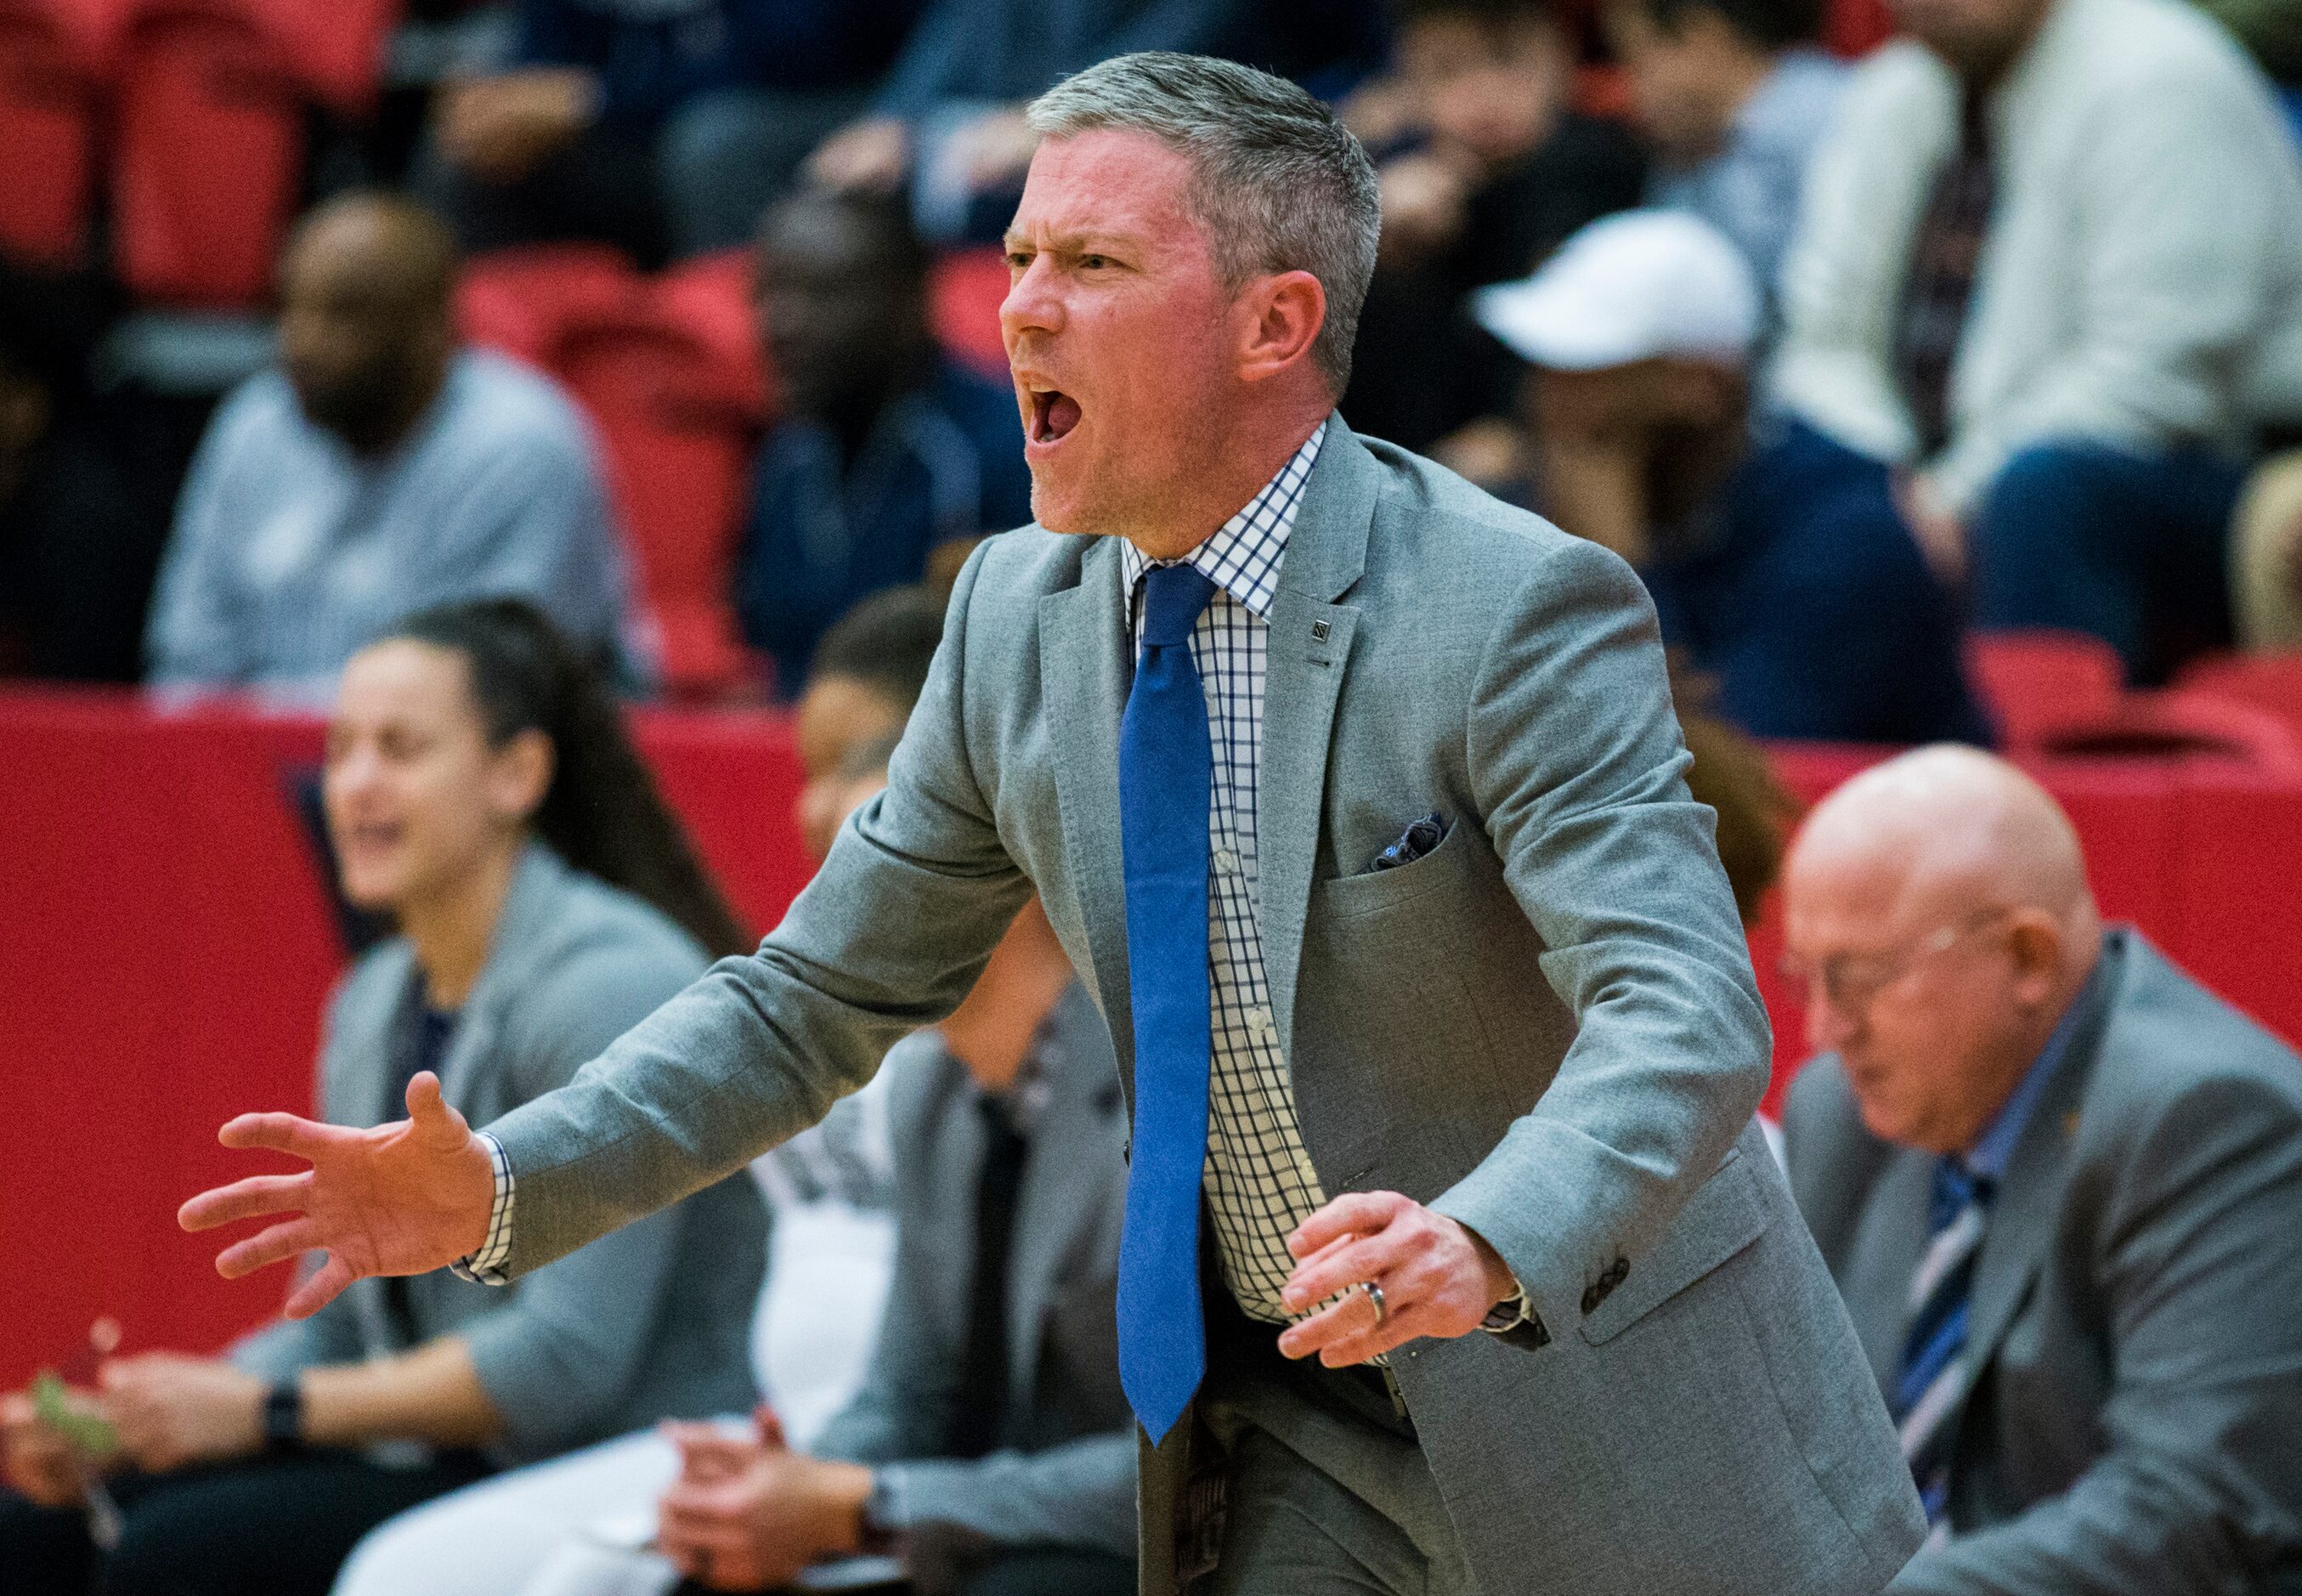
1629 287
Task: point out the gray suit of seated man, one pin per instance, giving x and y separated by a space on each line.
2060 1185
991 1446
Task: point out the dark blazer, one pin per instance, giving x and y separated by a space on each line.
2136 1426
1065 1473
651 1323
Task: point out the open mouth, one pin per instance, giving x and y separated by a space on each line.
1053 414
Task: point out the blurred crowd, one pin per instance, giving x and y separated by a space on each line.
1997 327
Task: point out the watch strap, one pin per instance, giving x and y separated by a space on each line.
283 1416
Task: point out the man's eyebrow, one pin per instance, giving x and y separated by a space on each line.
1072 243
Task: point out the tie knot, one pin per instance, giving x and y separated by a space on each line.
1956 1188
1172 597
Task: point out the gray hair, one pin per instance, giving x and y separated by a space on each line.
1280 185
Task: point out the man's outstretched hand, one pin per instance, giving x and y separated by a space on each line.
402 1198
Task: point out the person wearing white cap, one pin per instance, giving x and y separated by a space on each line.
1771 575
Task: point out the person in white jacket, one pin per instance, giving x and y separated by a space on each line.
2048 281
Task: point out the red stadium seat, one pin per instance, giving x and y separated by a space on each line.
522 301
48 92
963 299
2033 681
208 152
678 417
2272 683
2185 727
339 46
1857 27
711 297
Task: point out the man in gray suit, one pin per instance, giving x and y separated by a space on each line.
1425 984
2059 1184
990 1443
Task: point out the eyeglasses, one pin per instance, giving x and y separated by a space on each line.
1852 980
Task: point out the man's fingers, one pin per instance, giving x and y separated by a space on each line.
435 1119
272 1245
1360 1211
1395 1331
713 1451
246 1199
702 1521
1340 1268
321 1289
278 1133
1337 1321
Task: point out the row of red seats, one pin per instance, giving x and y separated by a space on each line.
190 112
669 369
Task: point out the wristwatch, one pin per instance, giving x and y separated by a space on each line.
283 1417
1508 1314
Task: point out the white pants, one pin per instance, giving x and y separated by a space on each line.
567 1527
571 1527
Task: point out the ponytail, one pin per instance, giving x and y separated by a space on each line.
602 812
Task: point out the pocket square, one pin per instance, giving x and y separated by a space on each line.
1412 843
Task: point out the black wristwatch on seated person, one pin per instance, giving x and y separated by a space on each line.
283 1417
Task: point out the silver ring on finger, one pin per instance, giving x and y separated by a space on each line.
1375 1294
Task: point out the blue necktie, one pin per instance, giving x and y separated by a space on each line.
1164 775
1930 1384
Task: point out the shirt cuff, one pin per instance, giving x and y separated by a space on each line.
485 1266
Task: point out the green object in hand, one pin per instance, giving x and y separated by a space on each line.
89 1435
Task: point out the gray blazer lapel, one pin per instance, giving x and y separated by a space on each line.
2022 1215
1084 668
1309 648
1884 1260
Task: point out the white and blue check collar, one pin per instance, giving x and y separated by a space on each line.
1243 557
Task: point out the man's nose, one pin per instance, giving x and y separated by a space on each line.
1828 1027
1032 305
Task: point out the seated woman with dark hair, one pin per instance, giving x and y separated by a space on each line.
479 789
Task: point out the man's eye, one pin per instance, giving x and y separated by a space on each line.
1093 262
1019 260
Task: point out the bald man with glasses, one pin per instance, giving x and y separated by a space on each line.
2060 1186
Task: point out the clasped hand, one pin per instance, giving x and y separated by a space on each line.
1439 1278
747 1513
402 1198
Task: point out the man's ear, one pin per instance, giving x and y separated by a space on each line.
1280 318
2036 942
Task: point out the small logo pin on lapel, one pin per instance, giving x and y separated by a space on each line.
1319 630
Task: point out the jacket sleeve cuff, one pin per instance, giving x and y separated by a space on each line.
485 1267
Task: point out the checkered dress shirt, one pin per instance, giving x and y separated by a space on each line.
1259 1180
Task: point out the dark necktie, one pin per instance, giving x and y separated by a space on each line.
983 1369
1930 1384
1945 252
1165 774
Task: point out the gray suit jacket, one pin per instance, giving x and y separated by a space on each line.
651 1323
2136 1312
1547 1026
1065 1473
